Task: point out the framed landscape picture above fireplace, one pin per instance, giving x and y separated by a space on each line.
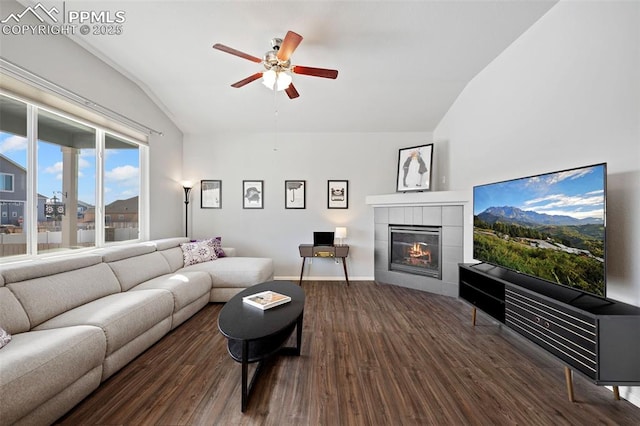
414 168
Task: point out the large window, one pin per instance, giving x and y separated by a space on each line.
62 181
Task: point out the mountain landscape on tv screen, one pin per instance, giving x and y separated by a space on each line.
558 248
517 216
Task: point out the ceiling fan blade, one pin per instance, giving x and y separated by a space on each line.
228 49
315 72
292 92
247 80
289 44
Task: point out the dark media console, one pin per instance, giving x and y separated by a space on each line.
599 338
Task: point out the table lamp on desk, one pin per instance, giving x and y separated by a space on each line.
340 234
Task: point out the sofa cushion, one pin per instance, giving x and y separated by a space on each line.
138 269
229 251
198 252
65 400
168 243
23 271
174 257
121 316
13 318
113 254
45 297
236 271
186 287
38 365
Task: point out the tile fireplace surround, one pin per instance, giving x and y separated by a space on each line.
445 209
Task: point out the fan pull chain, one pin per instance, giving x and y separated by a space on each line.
275 120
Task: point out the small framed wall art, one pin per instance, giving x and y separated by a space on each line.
252 194
295 194
338 194
210 194
414 168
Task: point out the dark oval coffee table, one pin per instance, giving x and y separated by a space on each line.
255 335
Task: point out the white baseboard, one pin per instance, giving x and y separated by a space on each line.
317 278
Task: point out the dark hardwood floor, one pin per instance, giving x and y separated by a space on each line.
371 355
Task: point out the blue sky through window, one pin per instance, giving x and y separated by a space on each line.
121 169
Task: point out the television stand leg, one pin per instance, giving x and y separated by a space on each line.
569 379
473 316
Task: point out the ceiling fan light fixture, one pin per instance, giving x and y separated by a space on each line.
283 81
276 80
269 78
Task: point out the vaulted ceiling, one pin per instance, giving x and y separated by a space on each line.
401 63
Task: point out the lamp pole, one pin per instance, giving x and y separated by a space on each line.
187 190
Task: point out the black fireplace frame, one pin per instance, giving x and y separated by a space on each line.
420 229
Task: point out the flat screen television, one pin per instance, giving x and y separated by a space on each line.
550 226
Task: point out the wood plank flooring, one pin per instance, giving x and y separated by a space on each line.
371 355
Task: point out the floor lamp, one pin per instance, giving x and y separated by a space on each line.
187 190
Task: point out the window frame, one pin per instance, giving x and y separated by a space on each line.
4 175
31 202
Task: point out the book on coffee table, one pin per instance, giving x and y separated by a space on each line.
266 299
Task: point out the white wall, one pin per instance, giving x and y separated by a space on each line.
565 94
367 160
62 61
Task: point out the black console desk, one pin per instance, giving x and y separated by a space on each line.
599 338
336 251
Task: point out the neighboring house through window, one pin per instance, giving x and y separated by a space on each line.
6 182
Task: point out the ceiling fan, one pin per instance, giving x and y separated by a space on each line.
278 64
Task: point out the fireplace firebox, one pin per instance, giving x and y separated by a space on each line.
415 250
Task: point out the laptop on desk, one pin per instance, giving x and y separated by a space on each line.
323 239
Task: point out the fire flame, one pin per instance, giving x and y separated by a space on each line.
420 250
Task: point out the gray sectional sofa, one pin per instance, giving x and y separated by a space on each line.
76 320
